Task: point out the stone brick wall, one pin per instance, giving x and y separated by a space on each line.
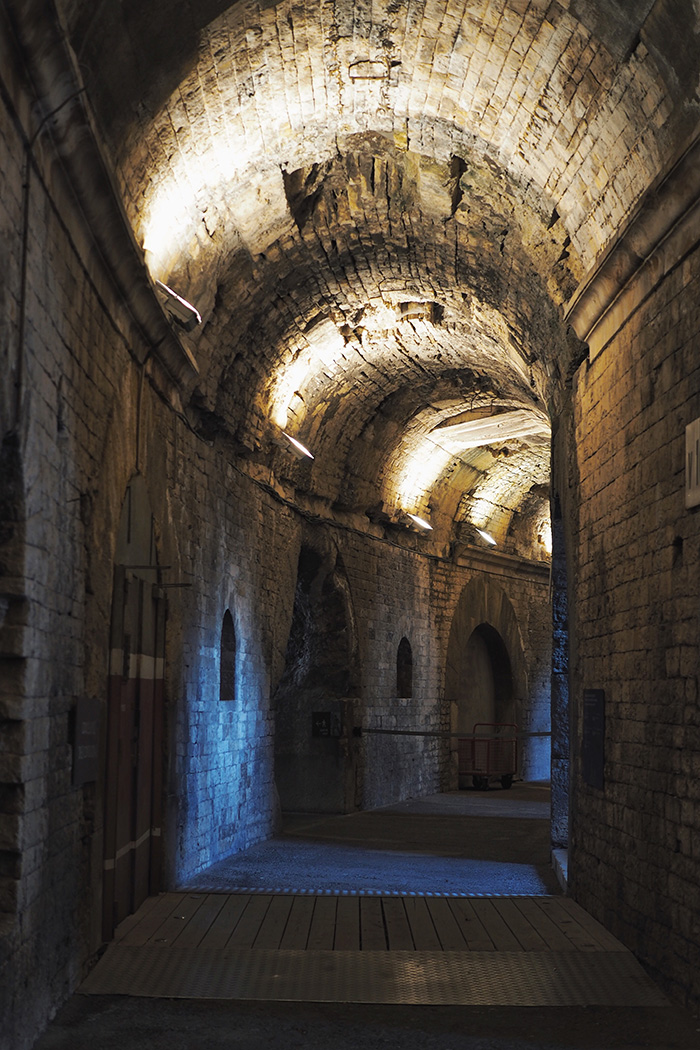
399 593
67 387
45 862
13 606
233 549
534 143
89 419
391 589
634 552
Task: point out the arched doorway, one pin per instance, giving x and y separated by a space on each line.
485 702
487 693
314 710
486 675
134 760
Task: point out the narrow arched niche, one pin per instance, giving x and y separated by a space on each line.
227 674
404 669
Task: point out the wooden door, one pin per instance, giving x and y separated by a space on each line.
134 760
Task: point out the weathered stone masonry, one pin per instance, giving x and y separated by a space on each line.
637 624
634 626
89 421
499 223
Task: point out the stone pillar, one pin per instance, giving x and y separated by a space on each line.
560 684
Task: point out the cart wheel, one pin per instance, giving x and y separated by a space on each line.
507 780
481 783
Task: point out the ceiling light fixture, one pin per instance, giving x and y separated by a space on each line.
421 522
488 537
183 313
299 450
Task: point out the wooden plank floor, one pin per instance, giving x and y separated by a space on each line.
480 951
364 923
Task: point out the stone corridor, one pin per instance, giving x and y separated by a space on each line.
465 948
349 456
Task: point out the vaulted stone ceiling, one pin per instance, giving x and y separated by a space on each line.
381 212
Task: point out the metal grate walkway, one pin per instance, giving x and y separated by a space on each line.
489 951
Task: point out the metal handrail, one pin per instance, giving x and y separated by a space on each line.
448 734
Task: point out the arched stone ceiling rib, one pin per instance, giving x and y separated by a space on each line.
274 87
381 210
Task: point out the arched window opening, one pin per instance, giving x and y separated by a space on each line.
227 687
404 669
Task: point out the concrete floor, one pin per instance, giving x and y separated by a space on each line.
473 842
495 837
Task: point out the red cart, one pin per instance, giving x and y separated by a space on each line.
490 752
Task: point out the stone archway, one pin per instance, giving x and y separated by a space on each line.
315 765
485 673
488 696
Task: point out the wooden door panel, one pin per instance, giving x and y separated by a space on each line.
134 760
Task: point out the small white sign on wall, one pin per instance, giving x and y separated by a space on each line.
692 464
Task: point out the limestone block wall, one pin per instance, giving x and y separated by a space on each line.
233 549
514 601
634 554
13 604
80 416
402 747
402 594
59 347
239 553
392 589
